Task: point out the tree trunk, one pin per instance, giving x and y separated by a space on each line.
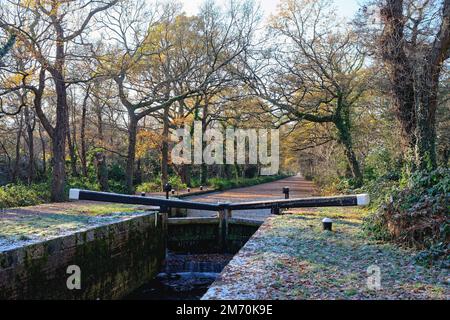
204 167
102 171
237 171
131 154
44 154
59 139
400 71
186 174
72 138
99 123
15 171
426 104
228 171
29 120
83 157
346 139
62 117
165 148
138 174
73 155
414 73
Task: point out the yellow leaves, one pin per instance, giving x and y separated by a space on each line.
110 62
181 121
33 4
28 3
15 80
177 38
147 140
181 32
18 79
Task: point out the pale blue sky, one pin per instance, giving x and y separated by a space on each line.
346 8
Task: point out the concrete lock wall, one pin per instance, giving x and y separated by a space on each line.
114 260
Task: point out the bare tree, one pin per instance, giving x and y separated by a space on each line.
49 30
313 72
159 51
30 124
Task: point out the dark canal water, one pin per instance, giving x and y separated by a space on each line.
183 277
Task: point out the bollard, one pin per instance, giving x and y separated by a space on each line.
173 191
167 189
201 188
143 194
286 192
327 224
188 189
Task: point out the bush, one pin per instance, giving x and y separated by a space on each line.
22 195
223 184
379 163
116 172
414 211
117 186
155 185
437 254
333 186
149 187
175 182
82 183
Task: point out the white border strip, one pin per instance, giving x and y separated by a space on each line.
362 199
74 194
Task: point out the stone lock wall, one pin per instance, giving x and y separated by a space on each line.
238 234
114 260
208 235
194 237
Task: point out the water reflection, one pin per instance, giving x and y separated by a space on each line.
183 277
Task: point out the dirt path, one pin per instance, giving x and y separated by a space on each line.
298 186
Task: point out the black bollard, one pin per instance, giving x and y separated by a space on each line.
167 189
286 192
143 194
327 224
201 188
173 191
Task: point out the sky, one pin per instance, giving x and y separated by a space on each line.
346 8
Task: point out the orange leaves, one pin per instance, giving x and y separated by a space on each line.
147 140
181 121
50 6
17 79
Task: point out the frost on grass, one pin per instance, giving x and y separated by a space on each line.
290 257
24 226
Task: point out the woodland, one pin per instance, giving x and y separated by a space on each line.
91 92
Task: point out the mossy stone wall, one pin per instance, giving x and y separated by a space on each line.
210 237
114 260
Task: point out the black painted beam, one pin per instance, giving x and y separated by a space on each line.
339 201
76 194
